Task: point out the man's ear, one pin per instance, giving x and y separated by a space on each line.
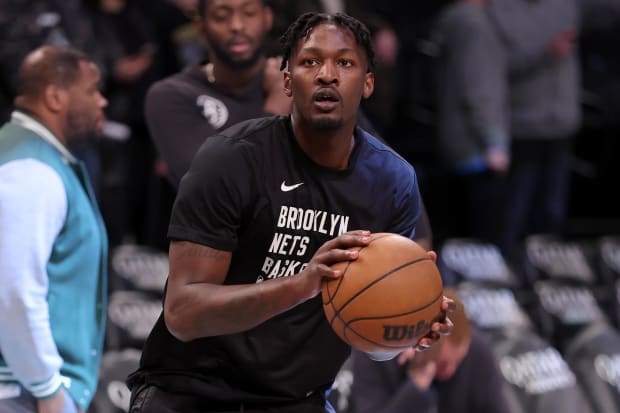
287 83
369 85
54 98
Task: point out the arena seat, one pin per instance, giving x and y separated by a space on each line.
136 267
537 378
112 394
131 316
594 356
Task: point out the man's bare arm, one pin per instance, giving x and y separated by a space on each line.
199 305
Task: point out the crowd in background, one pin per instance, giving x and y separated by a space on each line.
425 92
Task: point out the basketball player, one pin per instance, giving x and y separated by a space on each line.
266 207
237 83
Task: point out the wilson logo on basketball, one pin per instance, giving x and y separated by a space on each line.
405 332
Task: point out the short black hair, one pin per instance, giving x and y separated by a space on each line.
301 27
202 6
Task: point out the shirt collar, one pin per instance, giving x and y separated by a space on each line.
28 122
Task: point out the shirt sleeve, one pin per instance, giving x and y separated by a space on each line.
175 128
33 208
406 205
213 195
483 77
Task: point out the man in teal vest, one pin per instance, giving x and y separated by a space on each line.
53 244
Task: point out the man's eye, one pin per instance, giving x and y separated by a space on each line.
220 16
311 62
345 63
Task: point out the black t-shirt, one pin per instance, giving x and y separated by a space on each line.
253 191
184 109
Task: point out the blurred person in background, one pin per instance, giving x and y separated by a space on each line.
53 244
473 140
540 40
458 374
238 82
128 155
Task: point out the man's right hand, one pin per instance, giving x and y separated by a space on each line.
54 404
333 251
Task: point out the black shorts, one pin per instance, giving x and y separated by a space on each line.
152 399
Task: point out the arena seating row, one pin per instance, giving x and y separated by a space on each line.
552 315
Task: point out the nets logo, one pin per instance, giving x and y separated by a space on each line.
608 368
538 372
405 332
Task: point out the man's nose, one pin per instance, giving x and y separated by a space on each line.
236 22
328 73
103 102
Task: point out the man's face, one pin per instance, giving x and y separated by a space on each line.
327 77
449 358
84 115
235 30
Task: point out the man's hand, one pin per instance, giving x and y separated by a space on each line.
497 160
422 374
333 251
443 326
563 43
54 404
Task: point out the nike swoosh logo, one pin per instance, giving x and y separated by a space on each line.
286 188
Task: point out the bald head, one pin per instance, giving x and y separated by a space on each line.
45 66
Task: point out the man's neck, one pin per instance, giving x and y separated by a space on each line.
52 123
328 148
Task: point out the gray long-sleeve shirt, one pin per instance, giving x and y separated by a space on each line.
472 85
544 89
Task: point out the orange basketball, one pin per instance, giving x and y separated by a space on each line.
387 299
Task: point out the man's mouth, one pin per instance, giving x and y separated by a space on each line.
240 46
326 99
326 95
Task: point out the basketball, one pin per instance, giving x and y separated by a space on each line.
387 299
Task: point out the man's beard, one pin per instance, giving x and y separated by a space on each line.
79 127
233 63
327 123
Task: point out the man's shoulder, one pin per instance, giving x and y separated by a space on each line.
377 149
243 138
384 164
187 81
256 129
17 142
